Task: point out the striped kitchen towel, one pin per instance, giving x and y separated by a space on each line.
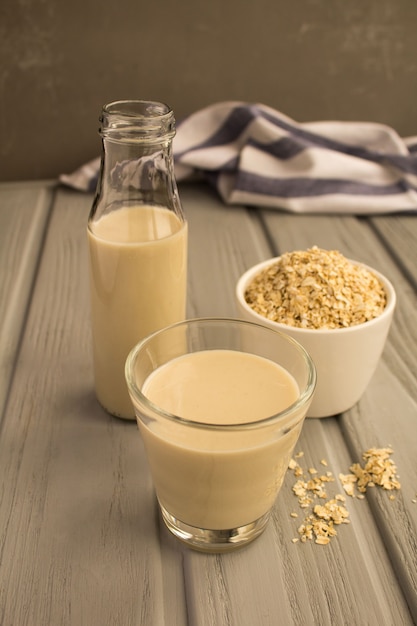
256 156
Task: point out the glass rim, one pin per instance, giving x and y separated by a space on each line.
132 121
148 109
304 396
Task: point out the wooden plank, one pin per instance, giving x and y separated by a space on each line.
254 586
386 413
24 212
79 539
399 233
221 244
386 416
275 581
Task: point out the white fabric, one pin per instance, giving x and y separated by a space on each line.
255 155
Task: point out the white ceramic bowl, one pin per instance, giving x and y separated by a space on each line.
345 358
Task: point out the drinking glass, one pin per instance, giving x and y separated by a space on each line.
219 458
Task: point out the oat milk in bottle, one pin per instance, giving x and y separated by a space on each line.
137 236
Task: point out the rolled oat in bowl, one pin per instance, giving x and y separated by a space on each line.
316 288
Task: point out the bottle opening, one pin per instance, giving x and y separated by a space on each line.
137 119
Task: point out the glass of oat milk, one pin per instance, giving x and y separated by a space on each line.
137 236
220 404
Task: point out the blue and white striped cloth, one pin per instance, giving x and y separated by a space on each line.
256 156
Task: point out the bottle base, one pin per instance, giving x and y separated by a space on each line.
122 416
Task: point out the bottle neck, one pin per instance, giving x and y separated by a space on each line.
137 163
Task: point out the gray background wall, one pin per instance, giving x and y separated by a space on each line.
311 59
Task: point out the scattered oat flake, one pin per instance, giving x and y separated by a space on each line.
326 513
319 523
378 470
324 462
322 540
348 483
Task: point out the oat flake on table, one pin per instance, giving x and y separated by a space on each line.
378 470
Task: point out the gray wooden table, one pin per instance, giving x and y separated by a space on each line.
81 542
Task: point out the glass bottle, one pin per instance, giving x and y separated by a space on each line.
137 236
